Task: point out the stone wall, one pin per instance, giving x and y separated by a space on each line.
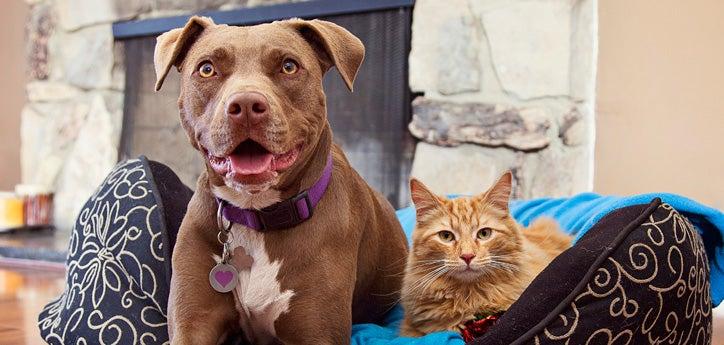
507 84
504 84
71 126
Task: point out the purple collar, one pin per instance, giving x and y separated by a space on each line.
284 214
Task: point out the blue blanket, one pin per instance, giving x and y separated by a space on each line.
575 215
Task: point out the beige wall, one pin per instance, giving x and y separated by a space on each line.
660 98
12 89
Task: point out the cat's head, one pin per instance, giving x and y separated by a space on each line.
466 238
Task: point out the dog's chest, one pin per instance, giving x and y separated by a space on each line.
258 294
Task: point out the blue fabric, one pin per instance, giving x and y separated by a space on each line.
576 215
387 334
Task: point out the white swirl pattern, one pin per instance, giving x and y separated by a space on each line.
116 279
654 289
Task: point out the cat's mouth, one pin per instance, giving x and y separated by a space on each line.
467 272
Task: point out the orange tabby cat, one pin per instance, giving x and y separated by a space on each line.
469 256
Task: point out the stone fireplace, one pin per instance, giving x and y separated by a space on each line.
506 85
489 85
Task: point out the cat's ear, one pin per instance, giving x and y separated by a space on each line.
425 201
499 194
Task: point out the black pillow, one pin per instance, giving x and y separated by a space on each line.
640 275
118 266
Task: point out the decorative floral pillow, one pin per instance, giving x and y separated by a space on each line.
118 267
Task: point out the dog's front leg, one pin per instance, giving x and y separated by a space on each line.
198 315
316 321
322 312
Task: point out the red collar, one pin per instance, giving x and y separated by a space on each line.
479 325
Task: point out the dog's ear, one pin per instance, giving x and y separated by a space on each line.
334 45
171 46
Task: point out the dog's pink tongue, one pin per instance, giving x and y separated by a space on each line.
251 163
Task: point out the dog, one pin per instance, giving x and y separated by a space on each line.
252 103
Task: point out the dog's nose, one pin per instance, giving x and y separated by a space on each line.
467 258
247 107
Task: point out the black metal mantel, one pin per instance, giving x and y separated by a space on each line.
255 15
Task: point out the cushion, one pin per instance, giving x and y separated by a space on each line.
640 274
118 266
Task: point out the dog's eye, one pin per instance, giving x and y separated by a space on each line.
289 66
207 70
446 236
484 233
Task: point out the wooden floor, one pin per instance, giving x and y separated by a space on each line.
24 292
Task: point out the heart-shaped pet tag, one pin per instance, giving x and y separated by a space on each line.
223 277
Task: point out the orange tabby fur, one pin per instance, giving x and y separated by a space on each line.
440 290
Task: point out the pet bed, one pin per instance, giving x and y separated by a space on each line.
638 273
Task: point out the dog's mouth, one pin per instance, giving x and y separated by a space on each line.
251 163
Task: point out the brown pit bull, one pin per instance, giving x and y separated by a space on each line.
313 247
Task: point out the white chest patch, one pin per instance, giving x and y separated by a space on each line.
258 294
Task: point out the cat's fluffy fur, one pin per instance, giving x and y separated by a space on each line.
440 290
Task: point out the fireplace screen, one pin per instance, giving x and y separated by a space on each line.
370 124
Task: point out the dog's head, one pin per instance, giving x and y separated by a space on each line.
251 97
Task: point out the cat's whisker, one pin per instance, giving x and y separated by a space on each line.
393 265
429 281
492 262
434 278
422 283
386 294
504 266
426 266
417 267
429 276
430 262
421 265
505 258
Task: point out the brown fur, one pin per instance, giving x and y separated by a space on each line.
438 293
343 264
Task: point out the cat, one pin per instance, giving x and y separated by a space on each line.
469 257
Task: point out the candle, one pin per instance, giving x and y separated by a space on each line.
11 211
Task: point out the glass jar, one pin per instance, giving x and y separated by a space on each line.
37 205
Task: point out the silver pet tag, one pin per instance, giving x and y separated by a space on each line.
223 277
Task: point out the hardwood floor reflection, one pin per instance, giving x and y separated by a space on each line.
23 293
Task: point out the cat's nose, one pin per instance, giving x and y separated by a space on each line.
467 258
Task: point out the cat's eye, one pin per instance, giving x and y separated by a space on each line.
484 233
289 66
446 236
206 70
